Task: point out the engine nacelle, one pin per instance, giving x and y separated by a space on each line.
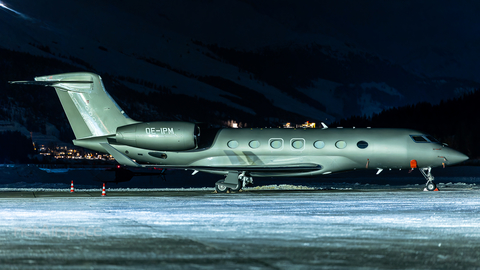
163 136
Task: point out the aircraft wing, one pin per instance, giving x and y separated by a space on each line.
278 168
284 168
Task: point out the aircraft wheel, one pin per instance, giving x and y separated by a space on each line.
238 187
431 186
220 188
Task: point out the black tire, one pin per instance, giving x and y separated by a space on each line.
220 188
431 186
238 187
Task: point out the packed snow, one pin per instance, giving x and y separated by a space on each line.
303 230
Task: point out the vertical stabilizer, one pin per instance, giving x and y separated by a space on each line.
90 110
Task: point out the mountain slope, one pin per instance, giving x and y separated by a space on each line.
226 53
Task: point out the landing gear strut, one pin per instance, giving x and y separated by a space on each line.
427 173
234 181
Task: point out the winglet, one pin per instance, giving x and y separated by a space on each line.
119 157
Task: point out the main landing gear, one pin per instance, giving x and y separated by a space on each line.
233 182
427 173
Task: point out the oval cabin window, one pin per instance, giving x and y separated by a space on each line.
254 144
276 144
362 144
232 144
319 144
297 144
341 144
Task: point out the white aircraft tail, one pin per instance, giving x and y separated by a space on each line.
90 110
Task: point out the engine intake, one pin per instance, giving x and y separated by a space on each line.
164 136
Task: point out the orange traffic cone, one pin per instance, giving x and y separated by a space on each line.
71 188
103 191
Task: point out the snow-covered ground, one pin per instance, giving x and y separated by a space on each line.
250 230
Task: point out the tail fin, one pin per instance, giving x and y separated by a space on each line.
90 110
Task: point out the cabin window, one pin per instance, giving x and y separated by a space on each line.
319 144
276 143
254 144
298 144
341 144
232 144
362 144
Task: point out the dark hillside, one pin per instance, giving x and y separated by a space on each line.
455 122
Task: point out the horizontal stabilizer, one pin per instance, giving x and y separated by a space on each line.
46 83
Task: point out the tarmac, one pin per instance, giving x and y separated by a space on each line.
256 229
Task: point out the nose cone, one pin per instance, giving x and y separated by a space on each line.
454 157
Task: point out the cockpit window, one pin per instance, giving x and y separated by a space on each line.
432 139
424 139
418 138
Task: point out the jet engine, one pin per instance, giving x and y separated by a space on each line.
163 136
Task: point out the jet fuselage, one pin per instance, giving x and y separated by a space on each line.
333 149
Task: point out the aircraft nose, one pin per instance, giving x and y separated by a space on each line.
454 157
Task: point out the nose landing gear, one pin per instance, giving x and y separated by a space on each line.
427 173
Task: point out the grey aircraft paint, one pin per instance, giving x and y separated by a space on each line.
239 154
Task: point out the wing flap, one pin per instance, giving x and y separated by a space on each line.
300 167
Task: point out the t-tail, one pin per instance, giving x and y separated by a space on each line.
101 125
91 111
